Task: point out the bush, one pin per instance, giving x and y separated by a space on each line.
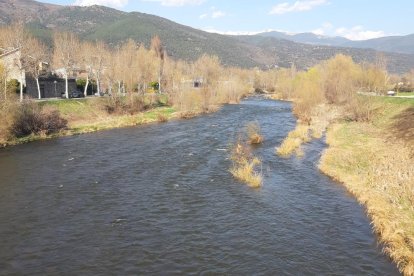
162 118
362 109
114 105
13 86
7 110
253 132
244 166
30 118
123 105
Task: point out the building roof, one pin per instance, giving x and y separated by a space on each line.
7 52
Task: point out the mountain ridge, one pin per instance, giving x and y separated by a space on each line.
398 44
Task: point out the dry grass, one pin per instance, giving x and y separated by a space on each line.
7 111
188 114
253 132
244 166
162 118
378 169
321 116
294 140
246 172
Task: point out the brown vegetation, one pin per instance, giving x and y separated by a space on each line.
245 164
294 140
253 132
29 118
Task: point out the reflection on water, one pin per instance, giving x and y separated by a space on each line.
158 199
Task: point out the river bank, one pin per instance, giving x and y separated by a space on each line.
87 115
374 161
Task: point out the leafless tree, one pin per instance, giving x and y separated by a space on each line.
37 57
66 46
15 37
158 48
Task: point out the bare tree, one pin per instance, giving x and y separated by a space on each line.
209 69
65 54
85 58
37 56
146 68
127 60
158 48
99 58
15 37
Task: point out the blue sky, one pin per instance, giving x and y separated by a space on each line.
354 19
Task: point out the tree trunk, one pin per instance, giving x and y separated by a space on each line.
66 86
85 92
21 86
38 88
110 87
119 87
5 88
159 83
98 86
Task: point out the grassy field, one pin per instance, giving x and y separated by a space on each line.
405 94
375 161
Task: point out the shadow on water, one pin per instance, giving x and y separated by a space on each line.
159 199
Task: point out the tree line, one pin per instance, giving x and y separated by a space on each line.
128 68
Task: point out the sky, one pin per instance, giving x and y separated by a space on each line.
353 19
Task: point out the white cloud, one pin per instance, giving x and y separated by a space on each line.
177 3
358 33
212 30
214 13
109 3
324 29
217 14
298 6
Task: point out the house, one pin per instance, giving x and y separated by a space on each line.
50 87
10 58
193 83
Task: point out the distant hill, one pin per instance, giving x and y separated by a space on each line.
305 56
183 42
397 44
308 38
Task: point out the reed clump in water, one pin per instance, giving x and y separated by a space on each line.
294 140
253 132
245 164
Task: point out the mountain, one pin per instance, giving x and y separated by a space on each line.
183 42
305 56
309 38
397 44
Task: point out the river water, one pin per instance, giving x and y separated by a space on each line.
159 199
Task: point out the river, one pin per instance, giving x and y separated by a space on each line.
158 199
